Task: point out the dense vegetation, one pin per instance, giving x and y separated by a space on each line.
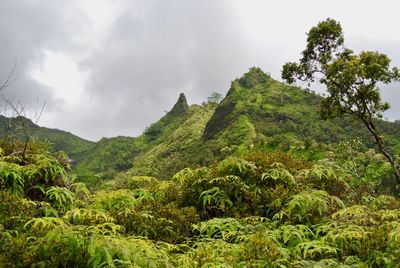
258 112
258 209
256 180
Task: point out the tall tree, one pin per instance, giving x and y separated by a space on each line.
351 79
215 97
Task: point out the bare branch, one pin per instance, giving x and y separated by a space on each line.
10 78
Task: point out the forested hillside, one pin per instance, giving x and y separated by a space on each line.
60 140
258 113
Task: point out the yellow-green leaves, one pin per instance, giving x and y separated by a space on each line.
60 196
44 224
310 207
316 249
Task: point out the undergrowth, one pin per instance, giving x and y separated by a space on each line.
256 210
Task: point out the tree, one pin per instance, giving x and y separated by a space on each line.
351 79
17 118
215 97
20 124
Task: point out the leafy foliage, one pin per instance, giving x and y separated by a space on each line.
310 206
262 209
207 193
351 79
327 178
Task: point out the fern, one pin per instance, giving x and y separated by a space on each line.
11 177
278 175
60 196
113 201
350 239
44 223
60 248
380 202
87 216
45 209
81 191
309 207
227 229
388 215
142 195
316 249
131 252
326 177
236 166
106 229
394 233
291 235
360 215
215 197
136 182
322 263
188 175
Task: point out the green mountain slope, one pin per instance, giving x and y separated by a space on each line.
153 151
258 113
61 140
177 146
106 157
280 113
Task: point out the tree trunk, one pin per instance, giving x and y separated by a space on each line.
383 149
25 149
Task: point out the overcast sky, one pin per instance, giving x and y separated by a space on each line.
112 67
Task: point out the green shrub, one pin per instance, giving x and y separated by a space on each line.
264 160
235 166
316 250
227 229
351 239
278 175
309 207
291 235
360 215
83 216
327 178
15 210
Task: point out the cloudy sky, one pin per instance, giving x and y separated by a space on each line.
112 67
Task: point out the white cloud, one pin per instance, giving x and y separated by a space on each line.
63 75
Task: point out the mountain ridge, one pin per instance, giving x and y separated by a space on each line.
257 113
60 139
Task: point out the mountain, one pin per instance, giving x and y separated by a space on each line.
61 140
281 115
160 142
257 114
